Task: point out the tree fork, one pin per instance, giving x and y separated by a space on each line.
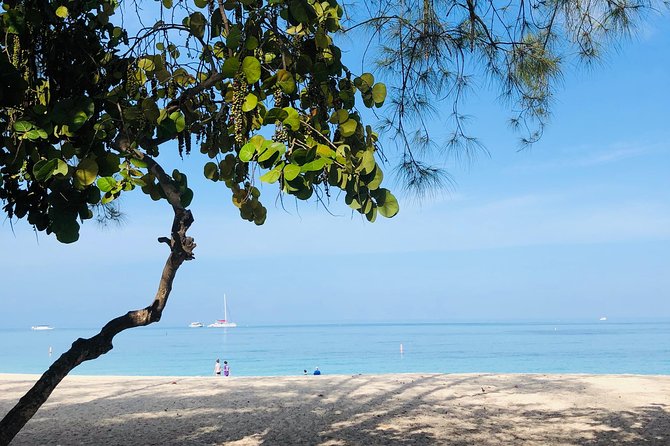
181 249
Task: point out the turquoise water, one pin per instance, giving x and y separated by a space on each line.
602 347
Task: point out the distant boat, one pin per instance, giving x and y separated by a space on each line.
195 325
223 323
41 327
603 318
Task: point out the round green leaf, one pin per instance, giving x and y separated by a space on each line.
379 94
196 23
22 126
367 164
293 118
146 64
62 12
390 205
61 167
285 81
179 121
211 171
251 68
250 102
291 171
348 127
247 152
86 171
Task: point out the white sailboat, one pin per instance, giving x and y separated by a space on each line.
223 323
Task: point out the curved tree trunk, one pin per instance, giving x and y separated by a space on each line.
181 249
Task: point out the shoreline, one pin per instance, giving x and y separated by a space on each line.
391 409
35 376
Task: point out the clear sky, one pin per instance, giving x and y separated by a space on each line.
576 228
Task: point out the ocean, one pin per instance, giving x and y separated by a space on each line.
600 347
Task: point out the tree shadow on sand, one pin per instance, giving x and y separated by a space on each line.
339 410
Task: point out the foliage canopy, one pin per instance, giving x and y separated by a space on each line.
257 85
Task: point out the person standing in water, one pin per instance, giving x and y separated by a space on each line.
217 367
226 368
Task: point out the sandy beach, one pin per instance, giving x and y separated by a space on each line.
412 409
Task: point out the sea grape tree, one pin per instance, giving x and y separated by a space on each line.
257 87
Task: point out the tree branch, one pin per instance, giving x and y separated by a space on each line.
181 249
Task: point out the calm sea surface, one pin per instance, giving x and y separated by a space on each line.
603 347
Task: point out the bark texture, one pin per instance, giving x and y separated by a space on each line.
181 249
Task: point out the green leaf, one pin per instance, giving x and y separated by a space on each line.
291 171
62 12
211 171
377 180
247 152
379 94
106 184
233 38
22 126
138 163
146 64
367 164
83 113
179 121
272 176
348 128
293 118
86 171
314 166
273 115
285 81
61 167
251 68
250 102
68 232
230 67
364 82
187 197
196 23
372 214
167 3
201 3
388 205
298 11
43 169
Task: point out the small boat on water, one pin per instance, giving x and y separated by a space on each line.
223 323
41 327
195 325
604 318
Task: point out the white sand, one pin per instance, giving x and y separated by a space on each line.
416 409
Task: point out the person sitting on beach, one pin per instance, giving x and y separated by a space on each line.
217 368
317 371
226 369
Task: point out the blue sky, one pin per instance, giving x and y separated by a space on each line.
575 228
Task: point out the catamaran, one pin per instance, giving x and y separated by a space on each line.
223 323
